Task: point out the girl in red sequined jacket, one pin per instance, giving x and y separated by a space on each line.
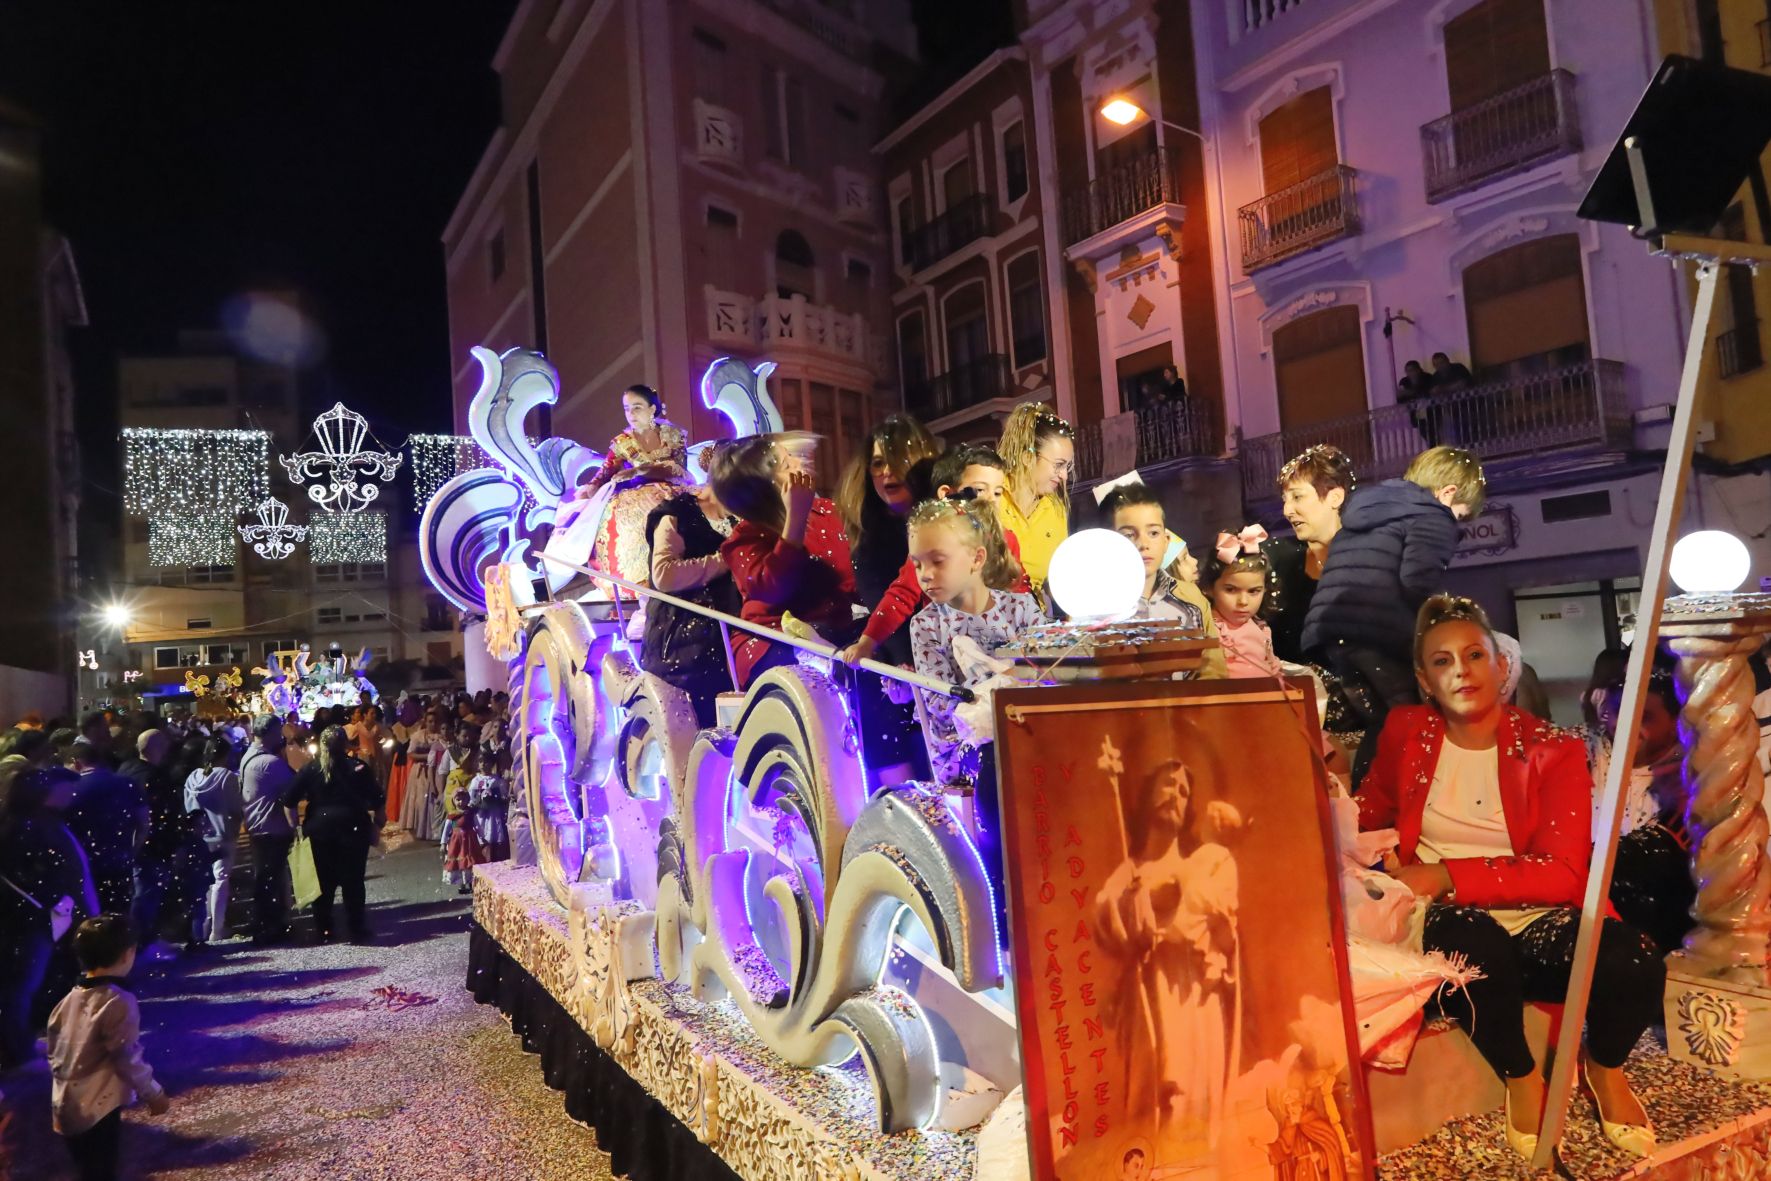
1493 813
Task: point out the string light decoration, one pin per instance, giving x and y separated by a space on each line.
273 537
347 537
344 474
178 471
191 538
436 459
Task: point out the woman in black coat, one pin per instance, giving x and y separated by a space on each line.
344 812
40 864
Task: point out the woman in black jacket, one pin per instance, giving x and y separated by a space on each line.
40 864
682 648
343 815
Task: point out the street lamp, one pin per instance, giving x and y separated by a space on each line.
117 615
1122 111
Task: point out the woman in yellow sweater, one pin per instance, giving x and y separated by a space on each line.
1041 457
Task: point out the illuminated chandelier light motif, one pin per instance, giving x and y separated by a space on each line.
273 537
348 471
180 471
191 538
347 537
437 459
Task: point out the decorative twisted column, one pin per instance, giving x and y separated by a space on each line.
1713 637
1718 997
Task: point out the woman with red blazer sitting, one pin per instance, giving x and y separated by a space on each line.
1493 808
788 552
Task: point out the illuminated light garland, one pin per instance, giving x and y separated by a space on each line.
344 474
192 538
437 459
347 537
179 471
273 537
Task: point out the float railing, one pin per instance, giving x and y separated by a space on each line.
727 622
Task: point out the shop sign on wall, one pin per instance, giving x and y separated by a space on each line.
1490 533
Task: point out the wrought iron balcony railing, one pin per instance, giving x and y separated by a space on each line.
964 222
1173 430
1572 406
1118 195
1738 350
961 387
1299 218
1512 130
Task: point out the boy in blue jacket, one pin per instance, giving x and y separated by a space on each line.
1395 541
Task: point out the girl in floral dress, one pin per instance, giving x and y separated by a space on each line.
647 464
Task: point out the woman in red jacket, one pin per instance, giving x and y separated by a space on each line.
788 552
1493 810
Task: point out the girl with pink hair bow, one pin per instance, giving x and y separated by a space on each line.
1234 578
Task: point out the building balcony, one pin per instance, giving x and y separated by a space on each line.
787 323
960 388
1511 131
1119 195
963 223
1140 438
1738 351
1299 218
1527 414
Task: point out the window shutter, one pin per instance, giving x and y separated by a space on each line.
1297 140
1495 46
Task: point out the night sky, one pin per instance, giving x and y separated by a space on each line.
198 149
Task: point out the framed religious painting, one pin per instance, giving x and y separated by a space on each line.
1179 949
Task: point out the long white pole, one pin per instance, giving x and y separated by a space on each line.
889 671
1623 749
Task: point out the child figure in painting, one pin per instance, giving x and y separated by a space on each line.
1234 577
948 545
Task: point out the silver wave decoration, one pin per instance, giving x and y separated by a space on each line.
344 473
273 537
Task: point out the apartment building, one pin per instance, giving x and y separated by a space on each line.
674 183
212 617
970 317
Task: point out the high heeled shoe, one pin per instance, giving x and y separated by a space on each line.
1636 1139
1523 1143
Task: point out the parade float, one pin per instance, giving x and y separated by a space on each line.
738 956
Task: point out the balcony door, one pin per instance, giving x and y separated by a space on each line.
1297 140
968 344
1527 308
1494 47
1319 365
1530 350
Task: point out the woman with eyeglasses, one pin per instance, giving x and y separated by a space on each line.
1041 455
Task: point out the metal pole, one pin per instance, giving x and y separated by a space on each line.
1623 748
890 671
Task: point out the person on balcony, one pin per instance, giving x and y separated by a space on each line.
647 464
1414 391
1174 386
1493 813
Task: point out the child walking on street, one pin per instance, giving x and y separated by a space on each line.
95 1050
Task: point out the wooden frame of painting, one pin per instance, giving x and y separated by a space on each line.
1177 936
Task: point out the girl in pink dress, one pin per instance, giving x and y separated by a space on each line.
1234 578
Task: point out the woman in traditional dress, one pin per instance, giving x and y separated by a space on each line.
647 464
419 808
1169 912
400 766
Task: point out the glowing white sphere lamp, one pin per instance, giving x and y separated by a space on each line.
1710 562
118 615
1097 576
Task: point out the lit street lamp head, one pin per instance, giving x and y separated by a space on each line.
1121 110
118 615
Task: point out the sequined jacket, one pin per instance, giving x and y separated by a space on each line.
1546 792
